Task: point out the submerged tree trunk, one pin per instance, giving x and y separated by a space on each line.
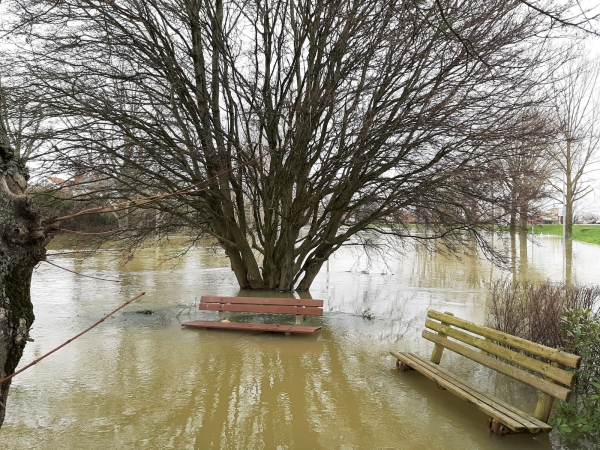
22 246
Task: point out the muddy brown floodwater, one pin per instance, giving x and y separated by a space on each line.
141 381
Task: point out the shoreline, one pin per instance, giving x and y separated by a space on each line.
589 234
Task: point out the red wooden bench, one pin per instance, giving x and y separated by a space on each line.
260 305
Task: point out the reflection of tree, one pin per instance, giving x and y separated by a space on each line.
568 243
442 268
520 268
523 260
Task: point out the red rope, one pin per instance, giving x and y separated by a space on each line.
80 274
70 340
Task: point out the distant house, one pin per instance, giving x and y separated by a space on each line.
61 185
50 183
551 216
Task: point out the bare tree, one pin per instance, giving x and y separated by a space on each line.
524 174
22 246
22 120
577 116
348 110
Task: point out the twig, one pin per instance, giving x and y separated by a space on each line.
70 340
564 22
189 308
80 274
83 233
71 252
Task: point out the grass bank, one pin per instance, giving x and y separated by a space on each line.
583 233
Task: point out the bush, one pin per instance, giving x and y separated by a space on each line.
560 316
579 419
534 311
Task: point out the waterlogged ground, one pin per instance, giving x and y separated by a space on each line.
141 381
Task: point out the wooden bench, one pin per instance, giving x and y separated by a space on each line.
297 306
536 365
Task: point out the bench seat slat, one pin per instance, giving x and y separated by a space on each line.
256 308
528 419
241 326
535 381
504 413
452 385
263 301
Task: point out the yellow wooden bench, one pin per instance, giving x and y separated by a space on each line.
536 365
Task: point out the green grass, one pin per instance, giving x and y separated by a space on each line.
583 233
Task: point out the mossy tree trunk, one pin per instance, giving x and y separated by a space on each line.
22 246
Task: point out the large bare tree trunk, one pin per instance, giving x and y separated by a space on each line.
22 246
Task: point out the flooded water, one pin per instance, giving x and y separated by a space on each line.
141 381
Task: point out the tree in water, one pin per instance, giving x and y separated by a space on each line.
352 113
523 176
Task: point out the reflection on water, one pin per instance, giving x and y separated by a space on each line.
141 381
569 262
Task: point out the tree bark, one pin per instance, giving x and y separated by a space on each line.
523 213
22 246
569 200
310 272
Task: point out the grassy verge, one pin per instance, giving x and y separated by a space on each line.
583 233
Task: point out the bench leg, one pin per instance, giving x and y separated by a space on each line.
298 319
544 407
402 367
497 428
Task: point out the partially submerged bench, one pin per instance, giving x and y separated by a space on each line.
536 365
297 306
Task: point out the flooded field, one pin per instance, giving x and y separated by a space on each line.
141 381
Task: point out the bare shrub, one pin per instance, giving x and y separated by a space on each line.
533 311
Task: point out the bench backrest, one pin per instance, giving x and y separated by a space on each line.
534 364
298 306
